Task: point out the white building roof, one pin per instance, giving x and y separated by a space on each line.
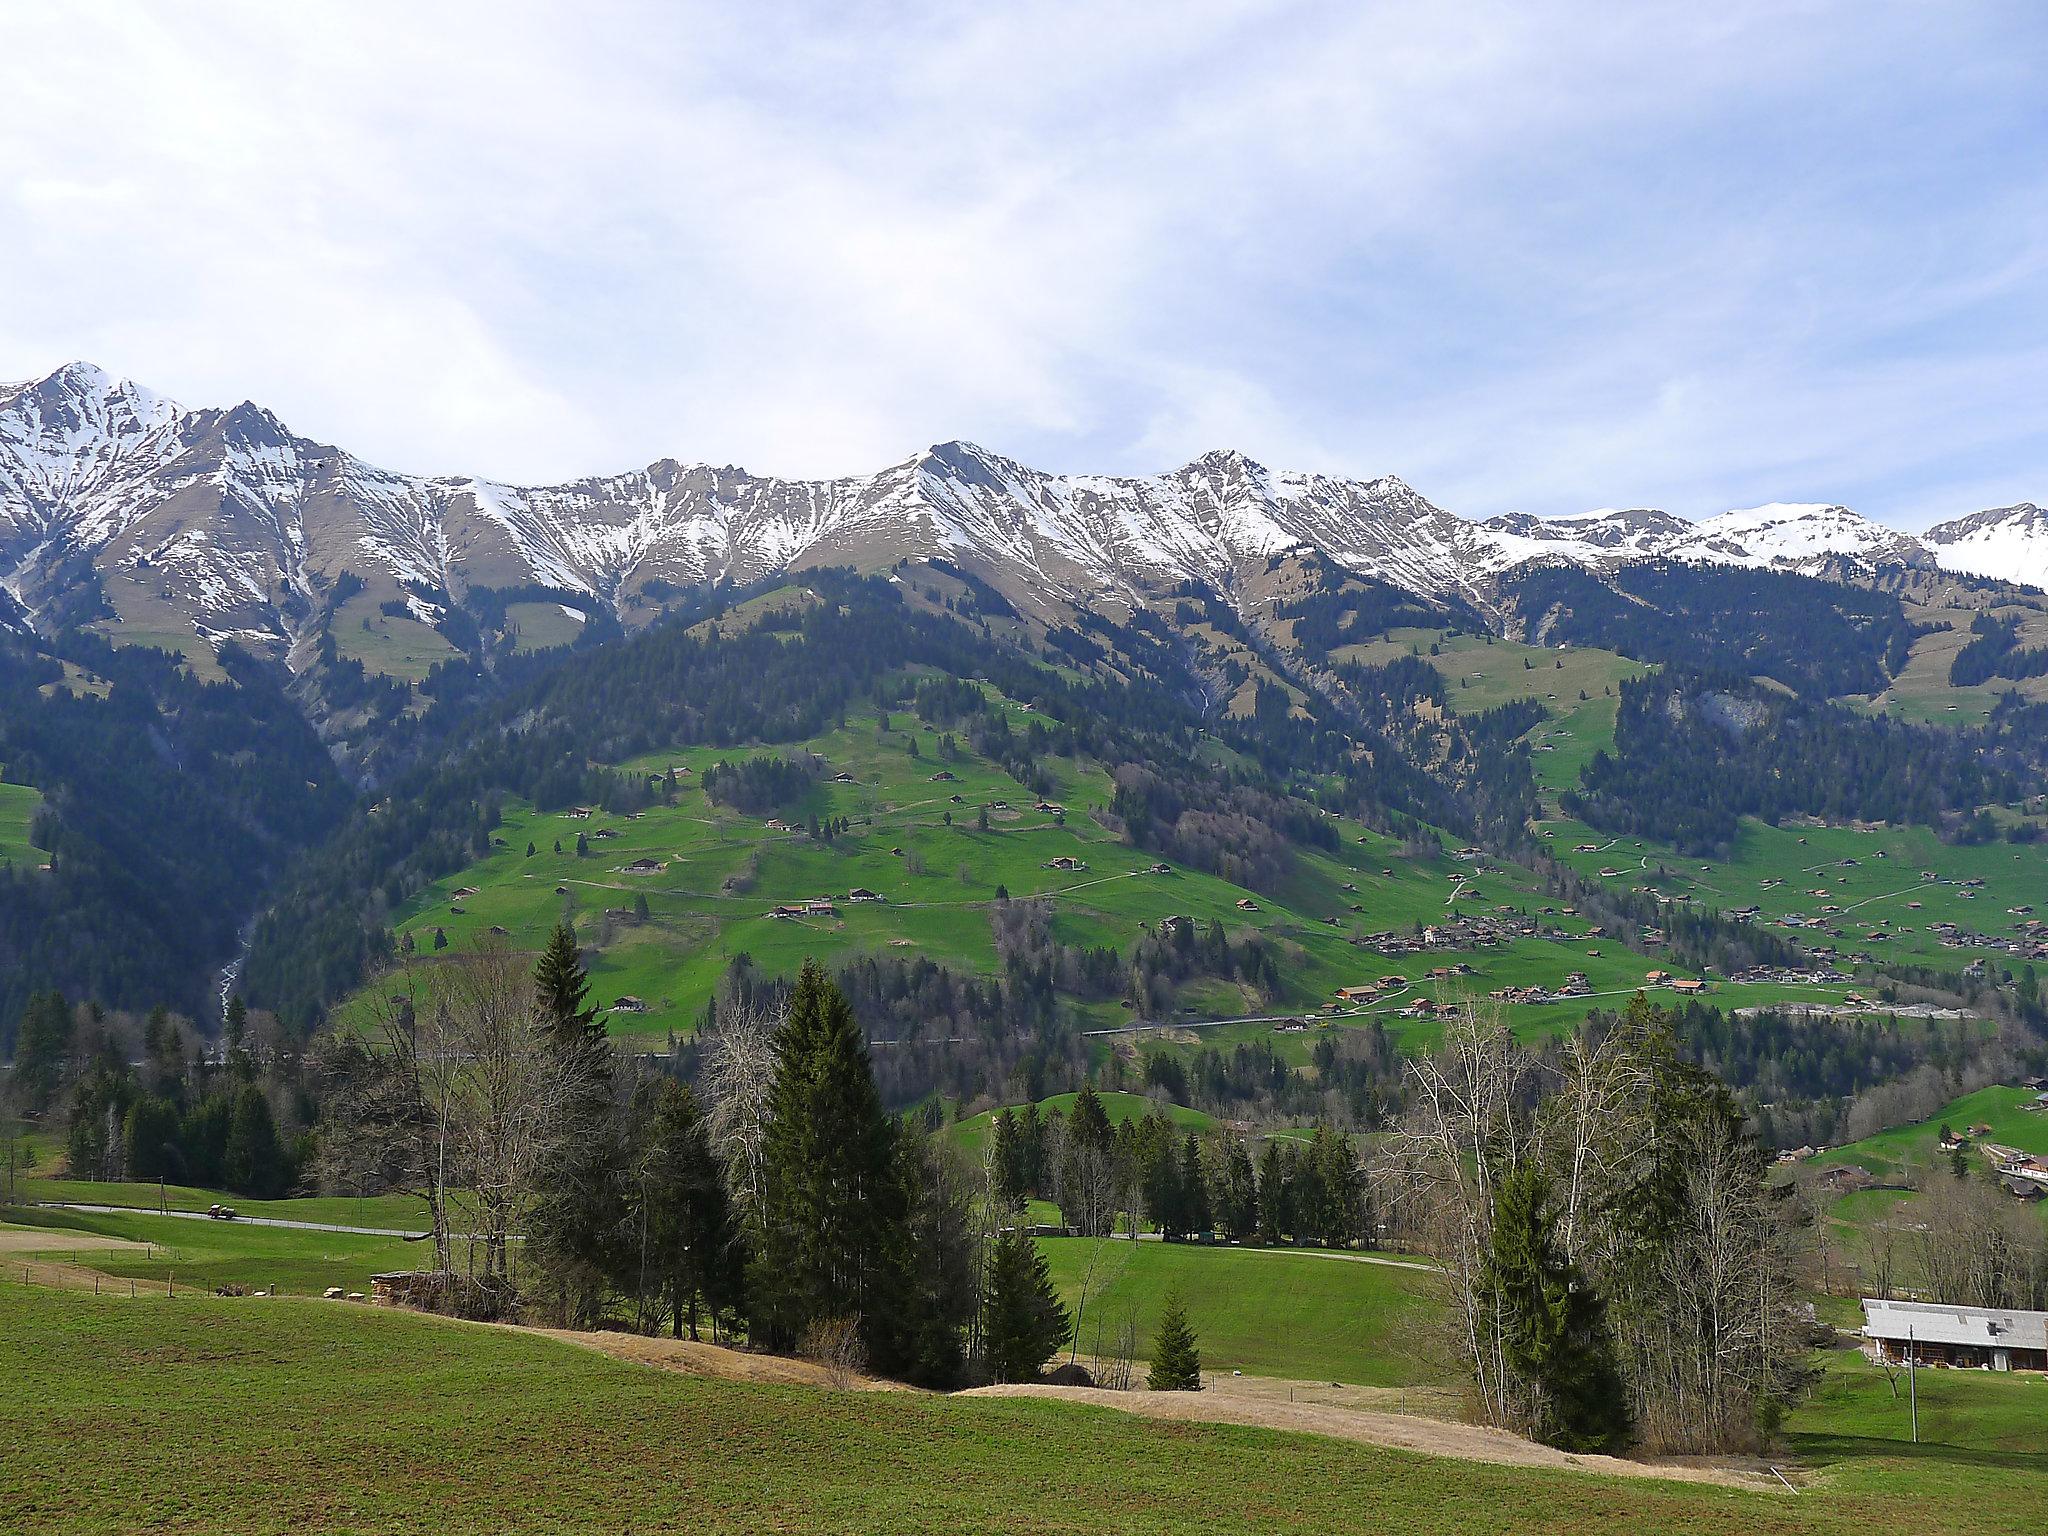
1933 1323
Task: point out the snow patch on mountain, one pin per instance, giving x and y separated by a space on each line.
2004 543
237 524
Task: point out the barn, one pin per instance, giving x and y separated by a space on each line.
1972 1338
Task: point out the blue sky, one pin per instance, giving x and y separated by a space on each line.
1542 257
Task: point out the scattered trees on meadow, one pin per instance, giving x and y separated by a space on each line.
1603 1219
1024 1323
1176 1359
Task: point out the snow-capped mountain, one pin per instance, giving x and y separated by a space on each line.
118 504
2005 543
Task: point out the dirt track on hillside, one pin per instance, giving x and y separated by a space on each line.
700 1359
1262 1403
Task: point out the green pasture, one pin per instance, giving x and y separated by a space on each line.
1885 892
542 626
18 805
1302 1314
720 874
405 1212
395 646
2001 1108
246 1415
204 1255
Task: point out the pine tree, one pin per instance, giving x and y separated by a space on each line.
834 1210
40 1049
1161 1170
1005 1163
687 1237
1276 1218
576 1216
1238 1205
1555 1337
1023 1321
254 1163
562 989
1176 1361
1194 1189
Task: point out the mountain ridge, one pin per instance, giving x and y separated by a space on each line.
225 524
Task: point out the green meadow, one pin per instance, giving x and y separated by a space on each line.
2001 1108
398 646
1886 884
18 803
205 1255
234 1416
713 877
1297 1313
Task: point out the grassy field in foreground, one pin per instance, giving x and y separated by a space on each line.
247 1416
1266 1312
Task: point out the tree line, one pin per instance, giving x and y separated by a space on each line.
142 1099
785 1205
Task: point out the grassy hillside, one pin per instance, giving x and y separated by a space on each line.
718 875
2001 1108
397 646
244 1416
18 803
1876 878
1264 1311
1922 690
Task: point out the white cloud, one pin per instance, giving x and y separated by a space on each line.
1548 257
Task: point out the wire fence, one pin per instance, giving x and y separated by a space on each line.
68 1274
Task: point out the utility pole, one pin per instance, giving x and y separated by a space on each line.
1912 1385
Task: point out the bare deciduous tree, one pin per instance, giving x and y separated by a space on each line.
1464 1133
450 1094
738 1072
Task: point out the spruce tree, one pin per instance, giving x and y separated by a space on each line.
1554 1330
562 989
576 1213
254 1160
1176 1361
1239 1203
1006 1163
1023 1321
687 1237
1195 1215
40 1049
833 1212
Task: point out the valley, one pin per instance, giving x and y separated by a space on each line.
1119 914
